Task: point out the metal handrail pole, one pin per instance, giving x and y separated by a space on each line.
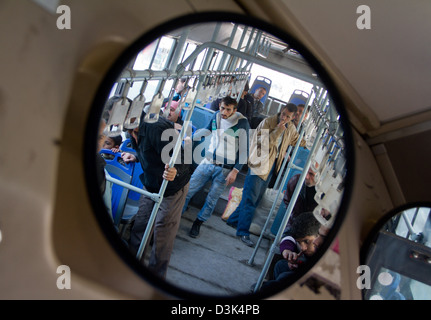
289 209
172 161
290 147
153 196
271 212
291 165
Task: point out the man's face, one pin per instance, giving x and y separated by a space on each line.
309 178
226 110
307 244
173 115
286 115
298 115
259 93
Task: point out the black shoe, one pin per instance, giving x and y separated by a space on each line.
194 231
246 240
231 225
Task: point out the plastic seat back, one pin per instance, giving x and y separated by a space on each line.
261 82
126 146
201 117
298 97
132 202
120 170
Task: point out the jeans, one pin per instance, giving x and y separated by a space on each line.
254 188
203 174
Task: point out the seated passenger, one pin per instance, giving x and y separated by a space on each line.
305 201
257 106
296 246
244 105
219 166
113 143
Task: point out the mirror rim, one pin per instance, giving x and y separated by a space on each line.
91 133
373 234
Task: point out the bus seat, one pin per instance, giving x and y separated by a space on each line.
300 160
261 82
299 97
126 146
132 203
200 117
118 169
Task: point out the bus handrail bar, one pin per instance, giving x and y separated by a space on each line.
172 162
270 65
289 208
153 196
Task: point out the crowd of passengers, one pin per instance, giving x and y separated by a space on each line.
303 234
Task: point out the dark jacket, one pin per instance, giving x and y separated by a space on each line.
149 153
305 201
245 108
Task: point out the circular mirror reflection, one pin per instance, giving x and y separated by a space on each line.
397 256
226 160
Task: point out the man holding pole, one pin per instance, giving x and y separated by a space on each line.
149 145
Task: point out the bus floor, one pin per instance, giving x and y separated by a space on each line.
216 262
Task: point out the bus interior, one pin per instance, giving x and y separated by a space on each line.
364 131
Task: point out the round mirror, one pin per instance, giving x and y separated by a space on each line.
223 157
396 257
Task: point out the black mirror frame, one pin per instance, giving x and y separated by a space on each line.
95 113
372 236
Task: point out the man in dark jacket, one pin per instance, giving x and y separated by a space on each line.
305 201
151 150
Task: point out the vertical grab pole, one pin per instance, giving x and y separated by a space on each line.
289 166
288 151
251 260
177 148
290 207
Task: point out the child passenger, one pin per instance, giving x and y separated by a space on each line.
113 143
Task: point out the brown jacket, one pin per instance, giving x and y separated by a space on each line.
263 146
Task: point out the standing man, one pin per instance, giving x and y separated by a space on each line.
270 141
226 155
146 140
174 116
298 116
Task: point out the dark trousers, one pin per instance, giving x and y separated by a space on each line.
164 230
